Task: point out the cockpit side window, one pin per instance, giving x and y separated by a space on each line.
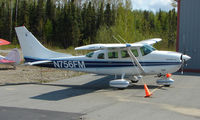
112 55
100 56
90 54
146 49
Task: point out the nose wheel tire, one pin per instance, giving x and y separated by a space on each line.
121 88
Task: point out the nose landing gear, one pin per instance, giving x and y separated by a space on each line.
165 80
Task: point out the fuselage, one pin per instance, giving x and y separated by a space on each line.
118 62
110 59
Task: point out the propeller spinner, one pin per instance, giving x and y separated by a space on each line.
184 58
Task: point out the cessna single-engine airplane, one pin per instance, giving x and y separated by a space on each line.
132 60
13 57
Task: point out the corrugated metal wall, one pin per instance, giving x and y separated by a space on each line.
189 32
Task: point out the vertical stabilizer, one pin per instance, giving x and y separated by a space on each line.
32 48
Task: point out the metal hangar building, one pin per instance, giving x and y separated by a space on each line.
188 32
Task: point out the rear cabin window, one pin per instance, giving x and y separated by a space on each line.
100 56
125 54
112 55
90 54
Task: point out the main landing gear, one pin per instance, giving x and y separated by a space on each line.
119 83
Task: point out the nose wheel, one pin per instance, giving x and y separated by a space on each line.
165 80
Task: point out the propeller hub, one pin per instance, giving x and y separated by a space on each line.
185 57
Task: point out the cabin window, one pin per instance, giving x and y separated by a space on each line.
90 54
101 56
125 54
146 49
112 55
135 52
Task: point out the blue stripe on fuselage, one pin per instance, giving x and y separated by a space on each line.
65 63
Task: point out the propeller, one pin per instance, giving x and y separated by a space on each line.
184 58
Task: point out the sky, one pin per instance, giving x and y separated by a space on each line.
153 5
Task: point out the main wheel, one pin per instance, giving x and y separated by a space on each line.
134 81
167 85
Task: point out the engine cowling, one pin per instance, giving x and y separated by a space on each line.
119 83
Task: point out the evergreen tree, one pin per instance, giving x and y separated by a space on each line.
107 15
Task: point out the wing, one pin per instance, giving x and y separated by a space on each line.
4 42
100 46
105 46
150 41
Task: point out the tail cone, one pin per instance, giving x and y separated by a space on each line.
147 92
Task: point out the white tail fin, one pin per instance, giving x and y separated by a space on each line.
13 56
32 48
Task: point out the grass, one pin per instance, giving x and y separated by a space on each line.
11 46
70 50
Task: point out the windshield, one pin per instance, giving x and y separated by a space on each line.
146 49
90 54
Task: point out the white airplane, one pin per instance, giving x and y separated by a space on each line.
12 58
126 60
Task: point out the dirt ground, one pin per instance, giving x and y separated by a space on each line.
27 74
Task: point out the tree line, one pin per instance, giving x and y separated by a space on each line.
66 23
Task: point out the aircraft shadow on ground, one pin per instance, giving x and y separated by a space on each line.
77 90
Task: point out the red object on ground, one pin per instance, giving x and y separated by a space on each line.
4 42
168 75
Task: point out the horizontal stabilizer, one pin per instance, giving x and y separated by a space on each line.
37 62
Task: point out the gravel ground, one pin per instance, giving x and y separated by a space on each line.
26 74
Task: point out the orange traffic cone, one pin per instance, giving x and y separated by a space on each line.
147 92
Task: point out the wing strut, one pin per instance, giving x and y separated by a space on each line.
134 59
